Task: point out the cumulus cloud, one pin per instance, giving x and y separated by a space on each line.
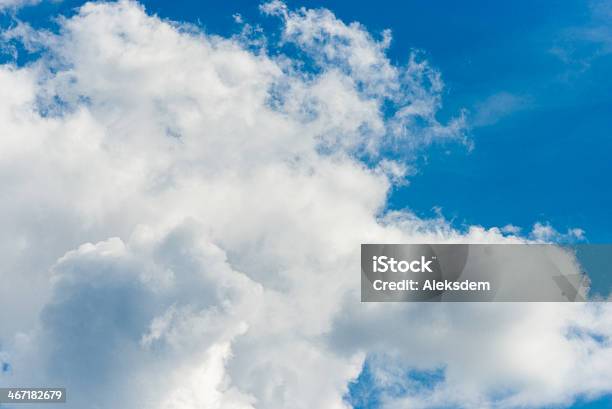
182 215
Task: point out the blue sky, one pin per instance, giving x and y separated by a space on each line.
545 159
534 80
538 97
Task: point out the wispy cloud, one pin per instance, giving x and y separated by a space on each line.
12 5
579 46
499 106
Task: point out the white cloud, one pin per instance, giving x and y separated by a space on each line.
544 232
15 4
413 92
182 216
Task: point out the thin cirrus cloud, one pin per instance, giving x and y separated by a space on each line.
182 215
579 46
498 106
